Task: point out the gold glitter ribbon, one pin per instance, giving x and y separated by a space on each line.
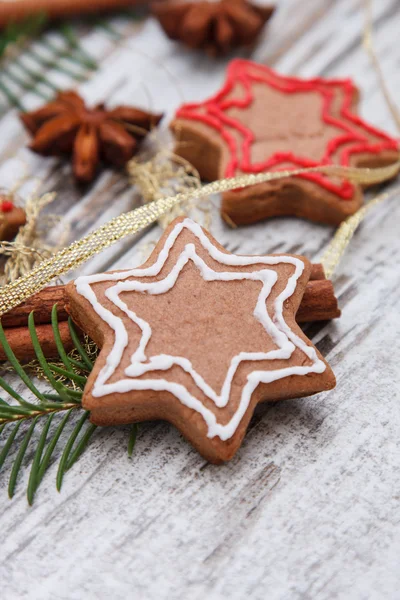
132 222
333 254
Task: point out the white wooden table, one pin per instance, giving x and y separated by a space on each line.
309 508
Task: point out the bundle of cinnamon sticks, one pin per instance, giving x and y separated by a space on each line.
319 303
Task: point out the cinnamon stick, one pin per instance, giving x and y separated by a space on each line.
318 304
317 272
42 304
21 343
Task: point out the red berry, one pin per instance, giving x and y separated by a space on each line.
6 206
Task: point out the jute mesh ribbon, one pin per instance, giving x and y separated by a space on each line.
28 248
132 222
166 174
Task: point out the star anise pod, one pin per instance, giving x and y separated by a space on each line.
91 135
216 27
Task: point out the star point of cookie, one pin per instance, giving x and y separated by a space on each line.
261 120
197 336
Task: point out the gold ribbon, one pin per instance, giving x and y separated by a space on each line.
334 252
129 223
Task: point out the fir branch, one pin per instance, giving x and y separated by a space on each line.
30 79
62 397
39 425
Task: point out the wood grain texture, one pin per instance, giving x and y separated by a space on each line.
308 509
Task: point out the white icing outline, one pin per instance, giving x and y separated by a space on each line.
277 328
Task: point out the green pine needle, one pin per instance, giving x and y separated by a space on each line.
15 395
65 456
79 346
57 338
81 381
36 79
8 444
43 362
34 474
60 397
132 439
81 445
20 457
17 366
52 444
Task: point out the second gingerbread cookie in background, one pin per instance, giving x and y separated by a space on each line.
262 121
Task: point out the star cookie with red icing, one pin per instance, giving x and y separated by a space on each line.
197 337
260 121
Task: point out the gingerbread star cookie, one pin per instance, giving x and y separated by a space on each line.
261 120
197 336
11 218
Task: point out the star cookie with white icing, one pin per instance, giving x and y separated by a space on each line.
197 337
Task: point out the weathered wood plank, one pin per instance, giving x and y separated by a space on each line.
308 508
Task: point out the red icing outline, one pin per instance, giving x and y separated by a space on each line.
245 72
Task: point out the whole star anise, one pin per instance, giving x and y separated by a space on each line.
91 135
216 27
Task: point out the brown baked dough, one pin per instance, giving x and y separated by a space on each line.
316 124
207 322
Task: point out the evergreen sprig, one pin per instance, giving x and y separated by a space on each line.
44 55
19 76
39 425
